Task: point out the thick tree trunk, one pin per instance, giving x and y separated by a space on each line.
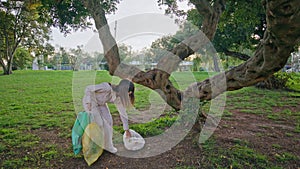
2 65
111 51
7 68
7 71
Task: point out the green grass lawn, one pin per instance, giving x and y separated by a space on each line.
33 100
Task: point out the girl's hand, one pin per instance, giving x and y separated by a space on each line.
127 134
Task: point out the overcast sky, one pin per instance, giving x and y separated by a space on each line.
139 22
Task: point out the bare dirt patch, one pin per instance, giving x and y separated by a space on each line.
264 135
268 137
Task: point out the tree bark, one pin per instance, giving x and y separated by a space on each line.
111 51
238 55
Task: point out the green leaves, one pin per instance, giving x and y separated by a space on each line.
240 21
238 24
22 58
24 25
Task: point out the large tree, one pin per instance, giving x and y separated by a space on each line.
281 35
279 39
22 23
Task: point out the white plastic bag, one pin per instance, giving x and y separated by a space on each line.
135 142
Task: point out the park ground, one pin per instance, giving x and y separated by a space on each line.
259 128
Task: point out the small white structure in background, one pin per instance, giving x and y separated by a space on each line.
137 63
153 65
35 64
295 62
185 66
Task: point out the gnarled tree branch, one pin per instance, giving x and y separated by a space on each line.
211 16
271 55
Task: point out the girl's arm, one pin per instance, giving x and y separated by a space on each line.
124 117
